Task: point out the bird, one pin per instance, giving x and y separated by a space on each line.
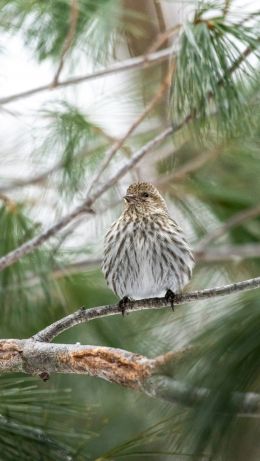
146 254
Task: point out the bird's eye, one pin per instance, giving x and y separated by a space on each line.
145 194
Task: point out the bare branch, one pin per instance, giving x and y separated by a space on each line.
41 178
114 365
129 64
229 253
74 14
37 241
191 166
32 180
86 207
162 37
83 316
226 8
30 245
119 143
166 388
234 221
220 253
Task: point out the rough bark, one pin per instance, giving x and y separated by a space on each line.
114 365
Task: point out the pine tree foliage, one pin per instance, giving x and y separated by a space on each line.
204 82
45 26
71 136
17 227
25 414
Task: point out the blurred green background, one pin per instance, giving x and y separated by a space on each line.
52 145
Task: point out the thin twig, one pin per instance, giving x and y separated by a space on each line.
37 241
190 167
83 316
221 253
234 221
226 8
32 180
243 56
126 65
162 37
119 143
43 177
229 253
73 19
86 207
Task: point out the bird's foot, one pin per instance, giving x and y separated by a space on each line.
44 376
170 297
122 304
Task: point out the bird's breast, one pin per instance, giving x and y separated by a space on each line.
146 258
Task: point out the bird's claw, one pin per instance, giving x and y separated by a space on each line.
122 304
44 376
170 297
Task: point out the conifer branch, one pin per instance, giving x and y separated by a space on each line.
118 366
227 252
42 178
221 253
34 243
85 315
74 14
189 167
120 142
126 65
232 222
86 207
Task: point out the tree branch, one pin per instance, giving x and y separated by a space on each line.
126 65
73 20
83 316
114 365
234 221
120 142
221 253
37 241
166 388
86 207
228 253
41 178
189 167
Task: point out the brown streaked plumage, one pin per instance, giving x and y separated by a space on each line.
146 254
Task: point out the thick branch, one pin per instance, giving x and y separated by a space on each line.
82 316
128 64
166 388
114 365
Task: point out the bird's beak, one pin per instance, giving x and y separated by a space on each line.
129 198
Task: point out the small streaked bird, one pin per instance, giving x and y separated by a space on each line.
146 254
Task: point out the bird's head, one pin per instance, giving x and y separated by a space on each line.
144 197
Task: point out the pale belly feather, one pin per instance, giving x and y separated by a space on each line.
147 265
